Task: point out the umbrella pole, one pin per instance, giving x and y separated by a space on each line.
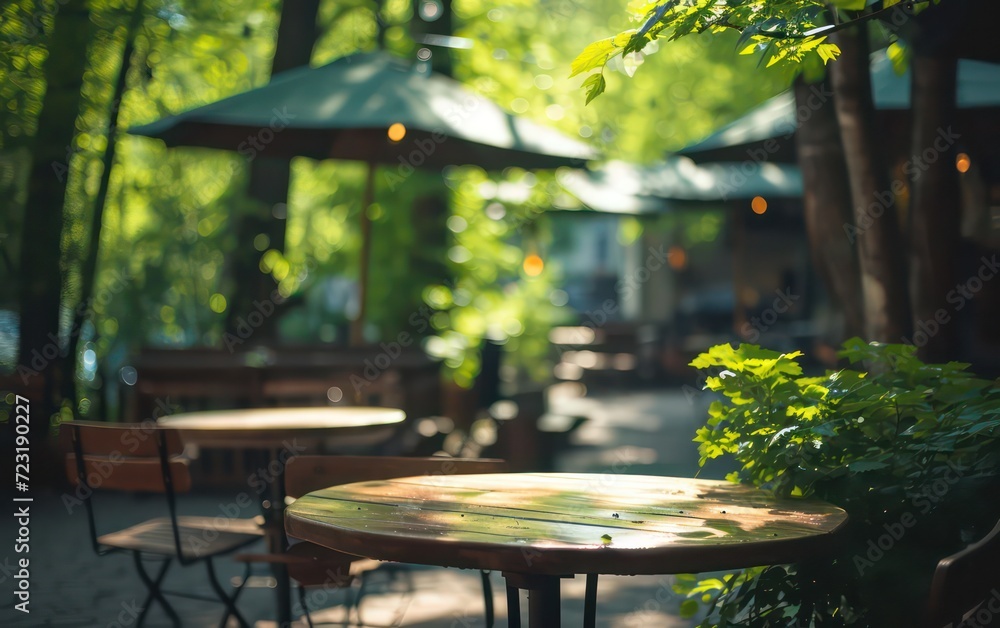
739 261
358 325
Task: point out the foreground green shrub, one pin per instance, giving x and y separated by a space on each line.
909 449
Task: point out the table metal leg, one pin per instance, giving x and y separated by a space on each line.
543 599
513 607
543 603
590 602
277 541
283 584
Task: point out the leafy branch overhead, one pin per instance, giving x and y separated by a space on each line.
781 31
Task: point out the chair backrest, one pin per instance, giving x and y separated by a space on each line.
139 457
967 580
304 474
126 457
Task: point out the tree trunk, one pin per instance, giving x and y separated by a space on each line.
876 228
269 181
429 212
89 271
826 202
935 212
41 353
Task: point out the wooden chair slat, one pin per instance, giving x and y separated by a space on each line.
304 474
200 537
129 474
129 440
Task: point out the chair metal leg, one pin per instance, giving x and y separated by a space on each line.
305 607
357 598
228 600
153 587
513 607
590 602
487 597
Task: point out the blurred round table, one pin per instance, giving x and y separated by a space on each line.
283 433
267 428
538 528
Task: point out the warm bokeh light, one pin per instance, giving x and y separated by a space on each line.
397 132
963 162
676 257
758 205
533 265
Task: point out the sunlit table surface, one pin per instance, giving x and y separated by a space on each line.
537 528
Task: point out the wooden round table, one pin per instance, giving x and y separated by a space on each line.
283 433
536 528
269 427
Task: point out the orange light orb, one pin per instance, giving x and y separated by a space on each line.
396 132
533 265
963 162
758 205
676 257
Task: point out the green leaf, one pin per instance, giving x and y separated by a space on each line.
688 608
593 56
595 86
860 466
850 5
598 53
898 55
747 34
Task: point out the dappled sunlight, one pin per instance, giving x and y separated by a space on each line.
539 512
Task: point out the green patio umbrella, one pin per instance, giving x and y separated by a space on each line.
622 188
375 108
978 88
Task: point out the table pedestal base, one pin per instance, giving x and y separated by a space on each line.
544 600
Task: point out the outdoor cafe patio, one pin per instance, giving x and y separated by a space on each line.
364 314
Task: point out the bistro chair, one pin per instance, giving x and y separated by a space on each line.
311 565
967 583
145 458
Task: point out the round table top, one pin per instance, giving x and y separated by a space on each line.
565 524
264 426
